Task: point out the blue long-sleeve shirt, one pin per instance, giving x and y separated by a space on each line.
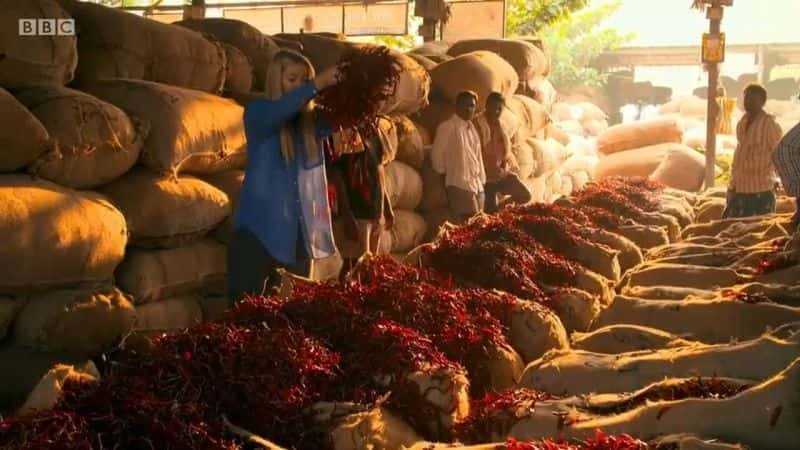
278 197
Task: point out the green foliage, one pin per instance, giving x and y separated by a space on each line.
575 37
527 17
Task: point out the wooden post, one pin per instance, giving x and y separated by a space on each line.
197 10
714 14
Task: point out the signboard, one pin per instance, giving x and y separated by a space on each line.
713 48
475 20
313 19
266 20
376 19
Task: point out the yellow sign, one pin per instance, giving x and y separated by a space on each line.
713 48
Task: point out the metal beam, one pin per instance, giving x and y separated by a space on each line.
688 55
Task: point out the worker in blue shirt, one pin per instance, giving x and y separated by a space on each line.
283 219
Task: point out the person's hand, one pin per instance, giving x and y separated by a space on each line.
351 228
329 77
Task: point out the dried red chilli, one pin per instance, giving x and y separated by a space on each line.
600 441
368 77
495 414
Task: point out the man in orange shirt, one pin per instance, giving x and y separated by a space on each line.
498 161
751 191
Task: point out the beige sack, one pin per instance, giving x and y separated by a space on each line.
257 48
37 60
81 322
638 134
231 184
96 142
424 61
190 131
22 137
114 43
667 293
166 212
533 117
54 236
527 60
576 308
644 236
548 155
698 277
408 231
410 145
525 159
238 70
711 211
640 162
322 51
433 115
615 339
412 90
151 275
682 168
481 71
434 193
553 132
169 315
404 185
48 391
377 428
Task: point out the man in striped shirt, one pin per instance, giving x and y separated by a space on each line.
751 191
787 163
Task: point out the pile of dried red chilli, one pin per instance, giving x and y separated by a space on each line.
368 77
601 441
630 198
495 414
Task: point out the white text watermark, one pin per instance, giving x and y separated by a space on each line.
46 27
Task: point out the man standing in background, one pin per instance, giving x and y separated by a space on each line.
751 191
787 163
498 161
457 155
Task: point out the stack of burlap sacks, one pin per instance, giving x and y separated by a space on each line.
116 193
551 162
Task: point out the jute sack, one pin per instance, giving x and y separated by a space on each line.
527 60
698 277
169 315
640 162
412 89
638 134
434 193
96 142
165 212
553 132
427 63
9 308
190 131
113 43
644 236
480 71
580 180
231 184
257 48
53 236
22 137
693 107
548 155
404 185
151 275
238 70
682 168
532 116
711 211
430 117
49 389
615 339
410 145
525 159
322 51
34 60
83 322
408 231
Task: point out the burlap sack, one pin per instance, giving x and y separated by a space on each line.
48 391
8 312
638 134
532 116
404 185
480 71
693 107
34 60
113 43
410 145
82 322
640 162
682 168
408 231
548 155
22 137
412 90
434 193
96 142
553 132
527 60
53 236
257 48
152 275
376 428
169 315
238 70
427 63
527 165
644 236
698 277
190 131
165 212
711 211
231 184
322 51
615 339
576 309
434 114
580 180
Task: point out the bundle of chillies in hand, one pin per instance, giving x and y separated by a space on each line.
368 76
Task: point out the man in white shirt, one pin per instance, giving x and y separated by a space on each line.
457 155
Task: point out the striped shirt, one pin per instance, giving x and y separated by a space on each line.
752 170
787 161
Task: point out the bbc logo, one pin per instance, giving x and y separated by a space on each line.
46 27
